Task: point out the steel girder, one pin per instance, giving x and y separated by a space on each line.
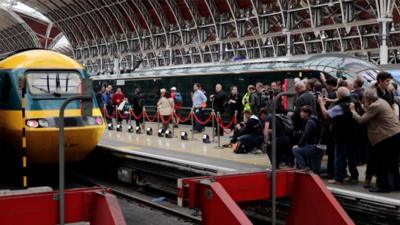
15 34
170 32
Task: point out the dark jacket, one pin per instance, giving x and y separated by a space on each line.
219 101
305 98
345 128
388 96
311 132
257 101
137 100
231 107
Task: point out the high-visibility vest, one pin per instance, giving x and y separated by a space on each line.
246 101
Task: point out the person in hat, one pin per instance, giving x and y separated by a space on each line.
177 98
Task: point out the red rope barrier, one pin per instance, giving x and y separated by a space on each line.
134 115
121 116
150 119
168 120
183 120
201 122
221 123
105 112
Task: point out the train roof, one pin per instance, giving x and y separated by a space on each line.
336 65
39 59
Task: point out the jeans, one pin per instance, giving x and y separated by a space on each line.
387 153
200 115
251 141
308 152
345 154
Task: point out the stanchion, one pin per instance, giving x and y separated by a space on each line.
143 118
273 156
158 120
119 125
105 114
213 125
192 122
130 128
218 129
173 123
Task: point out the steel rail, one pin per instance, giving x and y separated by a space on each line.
129 196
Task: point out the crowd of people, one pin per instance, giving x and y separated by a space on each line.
350 121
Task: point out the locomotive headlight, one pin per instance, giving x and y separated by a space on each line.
32 123
43 123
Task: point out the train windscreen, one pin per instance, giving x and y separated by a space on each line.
54 82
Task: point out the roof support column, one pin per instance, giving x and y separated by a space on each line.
384 49
384 9
288 42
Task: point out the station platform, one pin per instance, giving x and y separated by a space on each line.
192 152
208 157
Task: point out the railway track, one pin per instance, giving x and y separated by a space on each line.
148 199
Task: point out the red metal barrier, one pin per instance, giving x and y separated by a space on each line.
94 205
217 197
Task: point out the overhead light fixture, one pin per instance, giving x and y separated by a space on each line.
206 139
323 35
269 41
184 136
149 131
392 29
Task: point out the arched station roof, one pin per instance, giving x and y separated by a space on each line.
15 33
176 32
19 30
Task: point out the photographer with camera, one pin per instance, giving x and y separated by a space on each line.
343 128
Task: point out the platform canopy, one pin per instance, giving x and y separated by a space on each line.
110 36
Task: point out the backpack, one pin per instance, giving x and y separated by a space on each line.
287 124
178 98
261 100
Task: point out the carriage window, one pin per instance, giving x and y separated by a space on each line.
55 83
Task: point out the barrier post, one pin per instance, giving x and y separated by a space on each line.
218 129
213 124
130 117
116 114
158 120
143 118
273 156
173 123
192 122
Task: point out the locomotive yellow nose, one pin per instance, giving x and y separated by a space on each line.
42 144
